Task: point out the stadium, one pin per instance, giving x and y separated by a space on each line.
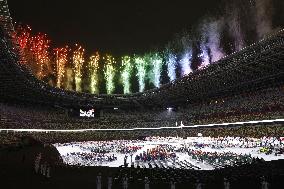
217 127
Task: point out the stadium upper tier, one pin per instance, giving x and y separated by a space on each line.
255 67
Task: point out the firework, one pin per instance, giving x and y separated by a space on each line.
126 73
23 34
39 46
140 65
171 66
78 60
109 73
93 70
156 63
212 32
185 63
61 61
204 56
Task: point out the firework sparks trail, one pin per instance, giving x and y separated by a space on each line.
171 66
61 61
78 60
156 63
39 46
93 70
140 65
109 73
126 74
185 63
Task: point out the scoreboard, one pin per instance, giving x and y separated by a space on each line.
84 113
87 113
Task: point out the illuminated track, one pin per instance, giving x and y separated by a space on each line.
136 128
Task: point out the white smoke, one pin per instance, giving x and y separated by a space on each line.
69 79
212 31
171 66
233 21
264 10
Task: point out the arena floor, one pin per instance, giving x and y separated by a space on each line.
166 145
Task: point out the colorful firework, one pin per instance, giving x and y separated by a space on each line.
93 66
140 65
78 60
61 61
212 31
39 46
23 34
185 63
126 73
109 73
171 66
204 56
156 63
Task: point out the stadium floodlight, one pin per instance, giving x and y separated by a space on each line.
169 109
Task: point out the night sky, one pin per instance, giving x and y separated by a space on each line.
118 27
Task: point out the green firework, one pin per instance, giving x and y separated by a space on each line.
109 73
126 68
140 65
156 63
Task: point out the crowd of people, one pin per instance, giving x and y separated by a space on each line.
253 131
171 151
96 152
42 167
220 159
261 105
87 159
160 152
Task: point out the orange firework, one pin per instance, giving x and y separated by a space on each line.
61 61
93 71
23 34
78 60
39 46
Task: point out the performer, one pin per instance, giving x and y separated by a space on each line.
48 172
37 162
226 184
264 183
99 184
147 183
173 184
125 161
198 184
109 182
125 182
